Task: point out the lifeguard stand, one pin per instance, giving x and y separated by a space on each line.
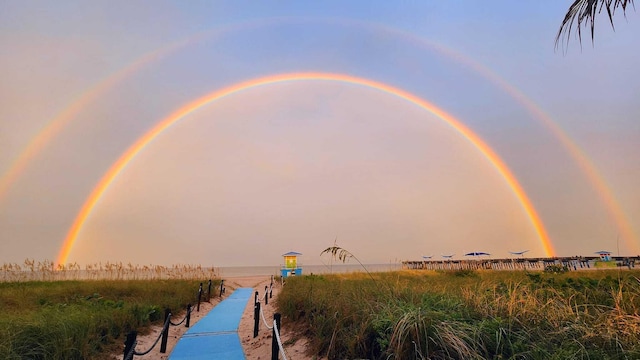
604 255
291 266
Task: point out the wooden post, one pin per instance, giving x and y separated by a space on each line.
221 287
266 298
209 292
188 323
129 344
275 349
255 298
199 296
165 332
271 291
256 318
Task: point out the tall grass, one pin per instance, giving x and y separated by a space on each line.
468 314
83 319
32 270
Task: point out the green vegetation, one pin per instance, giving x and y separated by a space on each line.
83 319
468 314
606 264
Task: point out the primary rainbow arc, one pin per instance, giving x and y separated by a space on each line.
179 114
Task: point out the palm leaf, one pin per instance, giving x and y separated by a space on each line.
583 13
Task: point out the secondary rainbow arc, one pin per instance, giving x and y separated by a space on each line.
179 114
586 165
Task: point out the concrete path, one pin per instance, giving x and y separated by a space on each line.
215 336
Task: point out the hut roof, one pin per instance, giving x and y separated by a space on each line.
292 253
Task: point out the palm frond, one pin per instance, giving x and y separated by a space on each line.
583 13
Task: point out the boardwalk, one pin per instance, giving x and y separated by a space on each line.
216 335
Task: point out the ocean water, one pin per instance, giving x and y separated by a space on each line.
234 271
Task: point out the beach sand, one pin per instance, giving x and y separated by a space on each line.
260 347
254 348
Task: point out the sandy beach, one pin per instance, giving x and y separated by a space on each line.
254 348
260 347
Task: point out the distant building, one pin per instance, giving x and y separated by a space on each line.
291 265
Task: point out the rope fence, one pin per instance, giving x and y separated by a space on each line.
188 315
130 351
164 328
266 324
277 348
276 333
131 339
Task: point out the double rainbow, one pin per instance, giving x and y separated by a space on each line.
38 143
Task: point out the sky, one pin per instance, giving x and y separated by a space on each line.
428 129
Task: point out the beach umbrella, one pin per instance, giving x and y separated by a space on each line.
521 253
476 254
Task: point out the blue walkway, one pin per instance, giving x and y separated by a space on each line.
215 336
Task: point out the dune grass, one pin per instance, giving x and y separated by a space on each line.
83 319
47 270
468 314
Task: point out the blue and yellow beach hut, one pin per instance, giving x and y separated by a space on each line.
291 265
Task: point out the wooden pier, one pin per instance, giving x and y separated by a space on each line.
571 263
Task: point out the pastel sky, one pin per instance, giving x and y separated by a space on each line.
296 165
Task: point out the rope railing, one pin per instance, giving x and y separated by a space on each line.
132 351
187 315
131 342
165 327
266 324
276 342
130 345
276 332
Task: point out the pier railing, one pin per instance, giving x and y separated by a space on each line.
569 263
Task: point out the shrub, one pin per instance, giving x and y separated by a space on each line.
480 315
82 319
